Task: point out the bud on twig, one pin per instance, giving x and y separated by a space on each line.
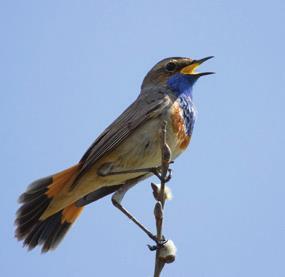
166 153
167 252
156 191
158 213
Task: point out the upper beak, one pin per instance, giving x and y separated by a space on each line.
190 69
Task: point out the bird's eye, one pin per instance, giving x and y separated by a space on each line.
171 66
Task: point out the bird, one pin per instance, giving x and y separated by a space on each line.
125 153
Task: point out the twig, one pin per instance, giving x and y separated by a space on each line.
165 250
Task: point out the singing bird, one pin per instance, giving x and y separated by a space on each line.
125 153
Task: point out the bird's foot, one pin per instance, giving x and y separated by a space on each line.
159 243
157 172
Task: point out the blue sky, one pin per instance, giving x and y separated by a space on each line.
68 68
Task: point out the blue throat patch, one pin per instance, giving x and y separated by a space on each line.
182 86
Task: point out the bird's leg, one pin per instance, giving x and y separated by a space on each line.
117 199
154 170
96 195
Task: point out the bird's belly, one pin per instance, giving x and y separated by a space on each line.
143 148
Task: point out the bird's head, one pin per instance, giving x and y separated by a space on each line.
177 73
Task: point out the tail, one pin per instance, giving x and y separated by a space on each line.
34 202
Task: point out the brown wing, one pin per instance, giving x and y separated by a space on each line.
149 104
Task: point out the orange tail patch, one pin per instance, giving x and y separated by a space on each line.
60 179
70 213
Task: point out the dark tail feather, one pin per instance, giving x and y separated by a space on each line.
50 231
34 202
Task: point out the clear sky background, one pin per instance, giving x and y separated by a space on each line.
68 68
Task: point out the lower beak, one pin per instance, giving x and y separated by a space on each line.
190 69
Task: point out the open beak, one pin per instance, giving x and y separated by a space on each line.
190 68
